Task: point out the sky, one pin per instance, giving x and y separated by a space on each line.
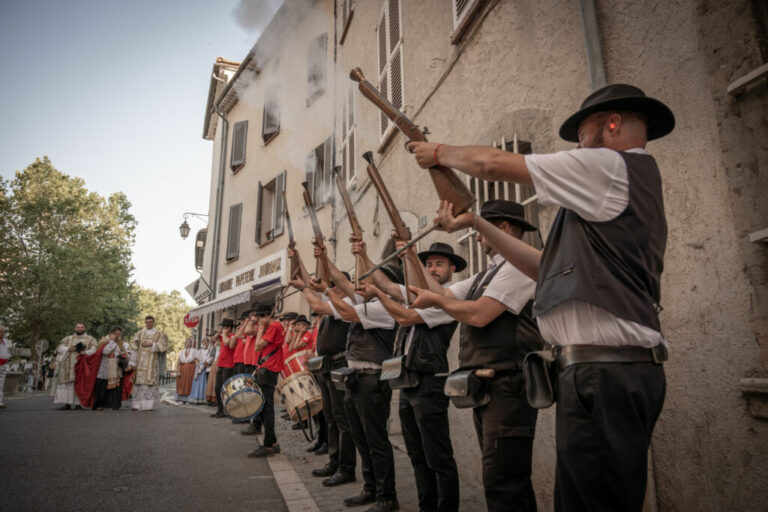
115 93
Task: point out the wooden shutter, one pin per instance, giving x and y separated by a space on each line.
259 216
278 206
347 10
328 168
390 59
309 166
240 132
271 118
317 67
233 237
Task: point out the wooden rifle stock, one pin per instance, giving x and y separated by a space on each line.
361 263
411 264
295 261
322 270
448 185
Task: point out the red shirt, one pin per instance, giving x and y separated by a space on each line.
226 354
239 351
249 356
275 336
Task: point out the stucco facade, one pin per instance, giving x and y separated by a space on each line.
517 72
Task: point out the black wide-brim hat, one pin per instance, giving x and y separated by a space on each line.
291 315
441 249
227 322
661 120
302 319
263 309
510 211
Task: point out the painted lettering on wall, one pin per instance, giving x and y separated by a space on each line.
270 267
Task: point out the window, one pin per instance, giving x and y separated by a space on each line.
271 119
390 46
200 248
239 135
233 235
317 64
319 173
347 10
464 11
348 136
488 190
270 210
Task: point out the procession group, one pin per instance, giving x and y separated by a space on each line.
576 323
101 374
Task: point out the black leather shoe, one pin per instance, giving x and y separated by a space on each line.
326 470
385 506
252 430
322 450
338 479
285 416
314 447
298 426
218 415
264 451
361 499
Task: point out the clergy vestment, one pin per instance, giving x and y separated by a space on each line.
65 367
146 394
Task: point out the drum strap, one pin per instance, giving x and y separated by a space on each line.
265 359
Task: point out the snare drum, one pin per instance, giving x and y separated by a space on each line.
301 396
241 397
296 363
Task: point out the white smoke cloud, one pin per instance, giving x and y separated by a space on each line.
254 15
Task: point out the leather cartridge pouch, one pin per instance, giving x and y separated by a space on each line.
399 377
319 364
466 389
538 374
344 378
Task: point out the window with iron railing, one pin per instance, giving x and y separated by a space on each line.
484 191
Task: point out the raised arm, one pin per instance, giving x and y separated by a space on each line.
487 163
400 313
477 313
314 299
345 310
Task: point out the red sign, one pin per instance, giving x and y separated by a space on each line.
191 321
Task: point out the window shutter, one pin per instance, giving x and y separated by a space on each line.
347 10
309 165
271 119
259 204
279 205
328 167
233 237
317 65
240 132
390 57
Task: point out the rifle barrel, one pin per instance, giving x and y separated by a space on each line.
399 251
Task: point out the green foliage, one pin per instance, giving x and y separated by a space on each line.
66 256
169 310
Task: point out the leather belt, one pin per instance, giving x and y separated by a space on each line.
368 371
579 354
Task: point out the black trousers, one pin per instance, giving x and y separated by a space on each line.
424 421
109 398
341 446
267 381
505 428
222 375
239 368
367 407
604 422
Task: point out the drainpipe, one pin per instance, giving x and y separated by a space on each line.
594 51
219 200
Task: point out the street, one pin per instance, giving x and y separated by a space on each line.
170 458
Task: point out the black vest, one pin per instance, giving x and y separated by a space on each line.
504 342
429 347
373 345
331 336
614 265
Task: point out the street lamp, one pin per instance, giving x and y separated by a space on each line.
184 228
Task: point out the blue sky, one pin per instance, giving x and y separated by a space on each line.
114 92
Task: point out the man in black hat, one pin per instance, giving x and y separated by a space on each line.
331 343
423 338
270 336
369 342
598 292
497 331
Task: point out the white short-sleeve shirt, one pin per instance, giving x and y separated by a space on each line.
509 286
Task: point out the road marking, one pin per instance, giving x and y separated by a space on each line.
295 494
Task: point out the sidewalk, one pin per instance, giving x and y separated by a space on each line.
304 492
331 499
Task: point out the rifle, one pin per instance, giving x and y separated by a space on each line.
448 185
322 271
295 261
361 263
411 264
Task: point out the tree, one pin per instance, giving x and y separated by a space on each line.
65 256
169 310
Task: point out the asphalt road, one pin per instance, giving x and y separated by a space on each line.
168 459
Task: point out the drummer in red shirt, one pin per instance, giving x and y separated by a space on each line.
269 341
239 356
251 360
303 338
226 361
